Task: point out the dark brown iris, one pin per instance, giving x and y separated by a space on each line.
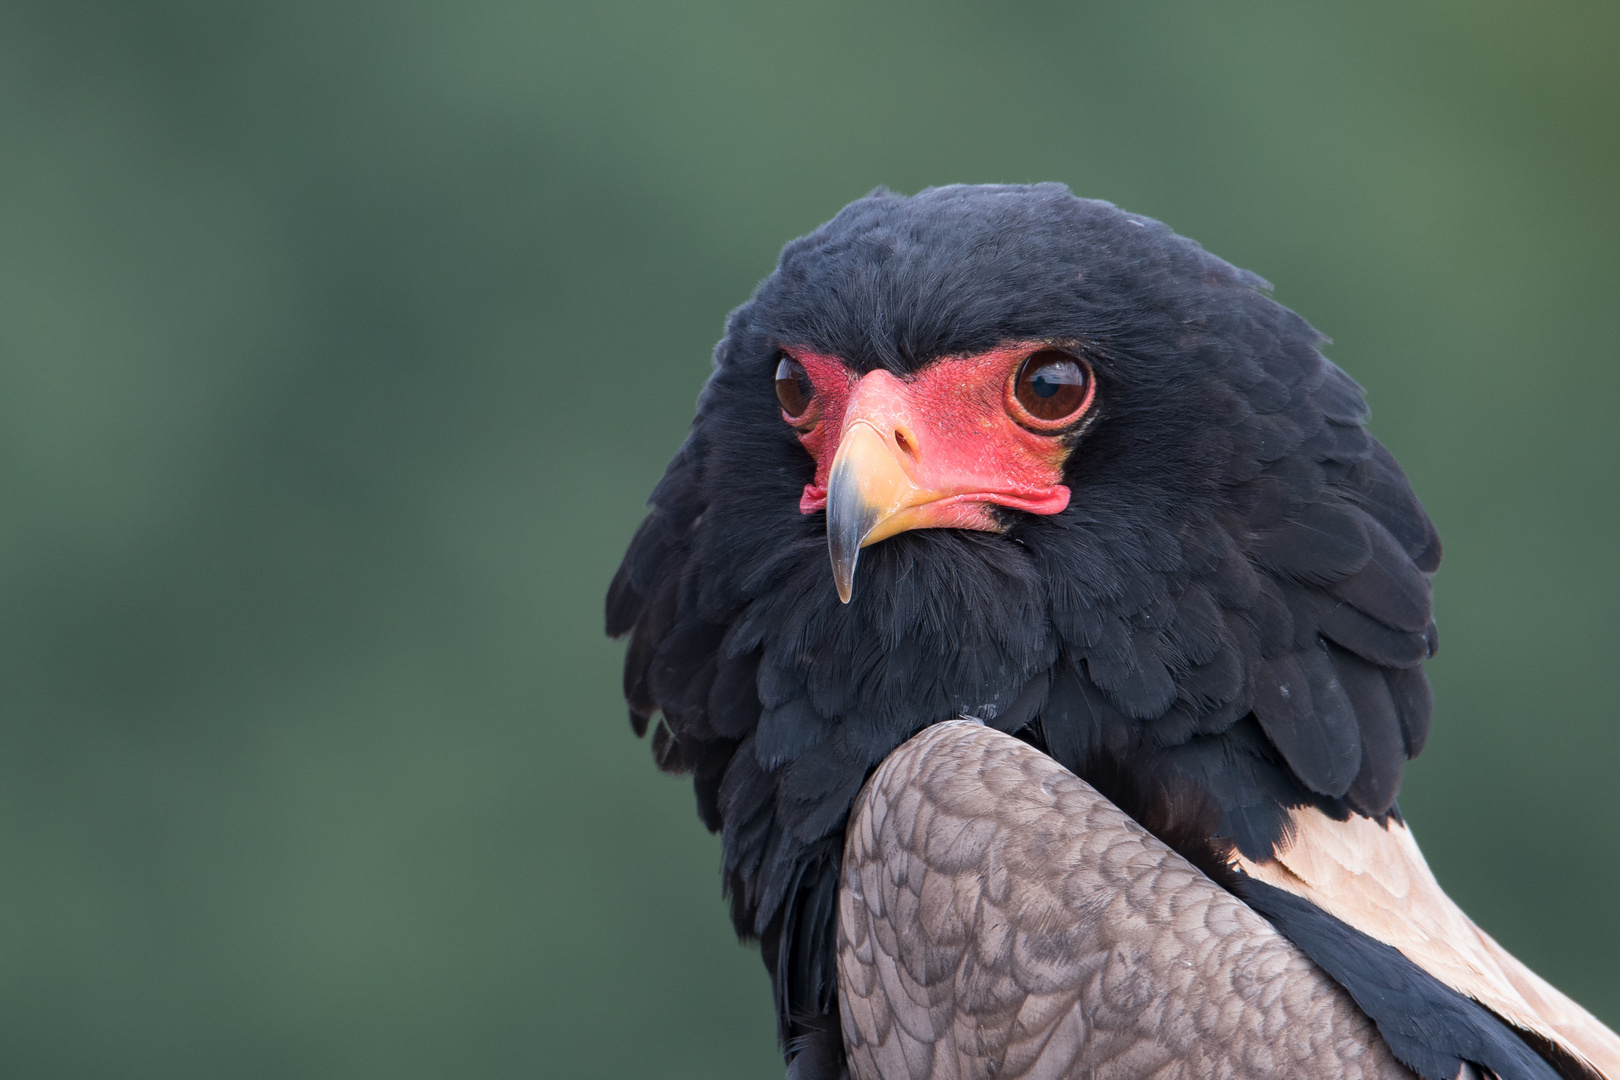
1052 385
792 387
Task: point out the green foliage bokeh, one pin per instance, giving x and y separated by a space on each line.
341 342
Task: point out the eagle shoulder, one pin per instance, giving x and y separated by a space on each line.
999 917
1371 875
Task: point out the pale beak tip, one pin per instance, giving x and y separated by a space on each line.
844 558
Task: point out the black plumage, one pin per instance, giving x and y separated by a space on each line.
1232 612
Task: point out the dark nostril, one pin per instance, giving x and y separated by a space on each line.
904 444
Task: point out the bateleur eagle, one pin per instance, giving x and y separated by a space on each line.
1081 757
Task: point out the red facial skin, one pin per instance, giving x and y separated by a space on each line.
957 430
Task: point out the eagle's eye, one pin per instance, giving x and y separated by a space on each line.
1051 386
793 388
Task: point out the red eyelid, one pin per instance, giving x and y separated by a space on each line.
1035 423
827 373
830 382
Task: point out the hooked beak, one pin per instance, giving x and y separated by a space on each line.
898 468
868 494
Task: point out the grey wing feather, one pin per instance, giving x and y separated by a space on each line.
1000 918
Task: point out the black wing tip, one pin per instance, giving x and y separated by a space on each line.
1430 1027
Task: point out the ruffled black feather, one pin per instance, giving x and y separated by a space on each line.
1232 612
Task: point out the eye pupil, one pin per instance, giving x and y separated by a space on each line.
793 388
1053 385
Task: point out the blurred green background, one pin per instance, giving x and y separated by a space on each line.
341 342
